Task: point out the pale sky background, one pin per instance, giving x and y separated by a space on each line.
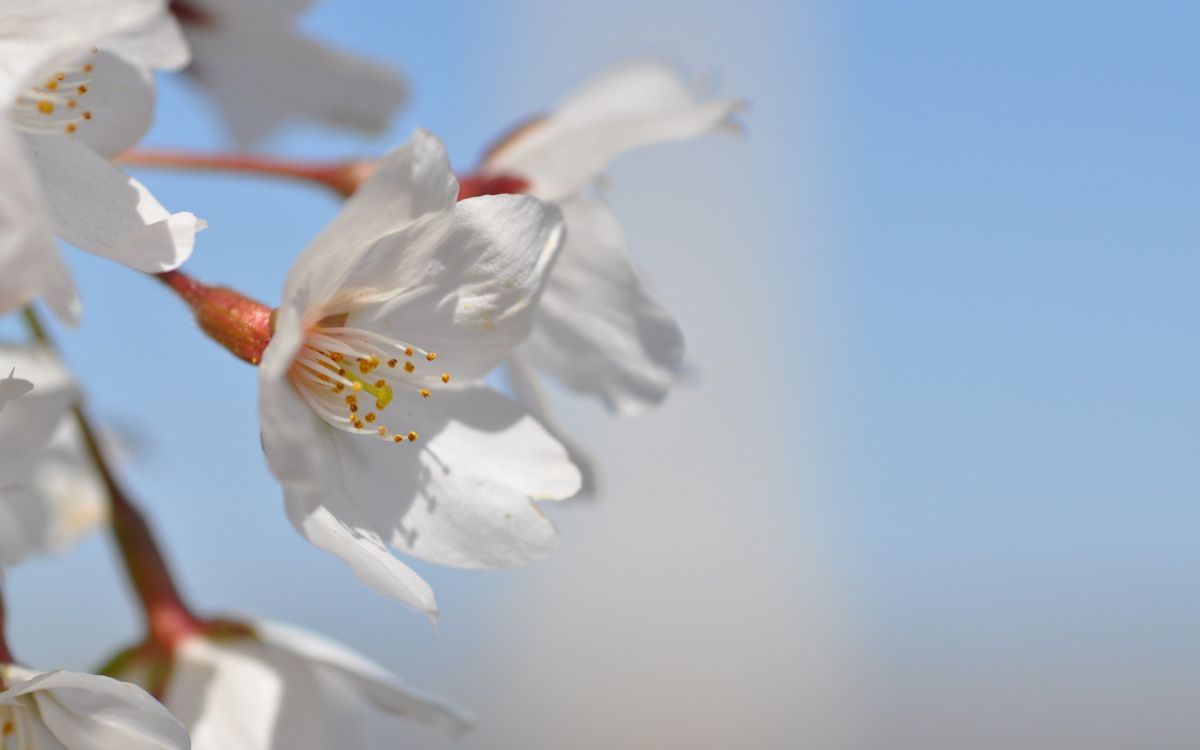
933 480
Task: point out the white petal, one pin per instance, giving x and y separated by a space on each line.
301 455
24 524
39 31
527 391
461 496
88 712
30 265
13 388
27 423
413 181
97 208
370 681
598 328
120 99
474 302
228 697
159 44
262 73
633 105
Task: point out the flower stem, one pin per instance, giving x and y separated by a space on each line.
341 177
168 619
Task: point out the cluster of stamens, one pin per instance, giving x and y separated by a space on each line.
55 104
349 376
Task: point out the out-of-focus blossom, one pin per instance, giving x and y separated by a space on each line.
74 711
272 687
248 55
77 85
33 520
598 329
13 387
374 446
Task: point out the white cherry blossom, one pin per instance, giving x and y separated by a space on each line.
249 55
33 521
373 417
282 688
73 711
599 329
76 84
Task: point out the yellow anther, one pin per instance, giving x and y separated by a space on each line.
392 362
351 398
59 76
46 107
87 68
72 104
380 383
408 350
353 408
380 405
82 89
382 431
358 423
51 85
431 356
338 387
412 437
424 393
409 367
87 115
70 127
445 377
357 386
397 438
370 416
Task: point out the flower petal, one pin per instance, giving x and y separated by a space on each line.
38 31
387 692
262 73
633 105
300 453
488 263
598 328
89 712
30 265
27 423
413 181
159 44
97 208
120 100
527 391
462 495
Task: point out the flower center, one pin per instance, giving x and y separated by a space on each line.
56 104
350 376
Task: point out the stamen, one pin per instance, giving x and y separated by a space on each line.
332 369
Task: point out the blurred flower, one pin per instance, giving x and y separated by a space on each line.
598 329
249 57
73 711
402 277
49 494
268 687
13 388
72 106
59 502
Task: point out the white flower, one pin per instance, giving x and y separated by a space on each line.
33 518
285 689
599 329
373 444
250 58
73 711
13 387
77 90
